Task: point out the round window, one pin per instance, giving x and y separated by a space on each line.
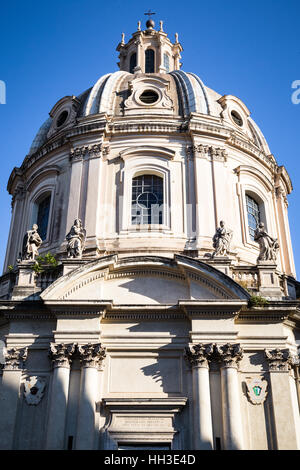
237 118
147 199
62 118
149 97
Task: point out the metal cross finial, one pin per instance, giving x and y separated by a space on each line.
150 13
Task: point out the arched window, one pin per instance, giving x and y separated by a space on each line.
147 200
43 209
132 62
167 62
149 61
254 216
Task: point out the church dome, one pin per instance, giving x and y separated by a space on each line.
151 134
188 95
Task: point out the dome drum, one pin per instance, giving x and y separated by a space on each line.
204 146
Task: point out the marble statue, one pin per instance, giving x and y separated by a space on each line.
76 240
31 243
268 246
221 240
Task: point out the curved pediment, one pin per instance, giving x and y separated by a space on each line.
144 280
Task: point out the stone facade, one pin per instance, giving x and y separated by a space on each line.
160 330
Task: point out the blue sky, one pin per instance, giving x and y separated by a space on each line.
54 48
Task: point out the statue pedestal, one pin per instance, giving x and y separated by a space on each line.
222 263
26 275
26 281
70 264
268 280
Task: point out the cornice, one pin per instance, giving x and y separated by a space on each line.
211 308
143 315
208 126
209 152
248 169
277 312
250 148
147 150
147 125
57 141
77 307
94 150
283 175
50 309
150 124
161 403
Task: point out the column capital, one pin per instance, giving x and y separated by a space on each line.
91 355
15 358
198 355
279 360
85 151
229 354
60 354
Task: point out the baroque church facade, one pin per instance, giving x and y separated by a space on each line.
149 295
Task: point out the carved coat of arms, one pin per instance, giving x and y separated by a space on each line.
34 389
257 390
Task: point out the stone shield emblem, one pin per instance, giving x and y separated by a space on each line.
34 389
257 390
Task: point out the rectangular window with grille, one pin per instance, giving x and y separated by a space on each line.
253 213
147 200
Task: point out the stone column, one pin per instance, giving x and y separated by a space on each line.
198 356
230 355
91 356
60 355
10 394
286 417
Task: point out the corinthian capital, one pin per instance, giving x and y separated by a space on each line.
91 355
279 359
229 354
60 354
15 358
199 354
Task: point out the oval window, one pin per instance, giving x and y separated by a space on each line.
149 97
237 118
62 118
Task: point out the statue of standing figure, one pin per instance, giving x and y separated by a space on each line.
268 246
76 240
221 240
31 243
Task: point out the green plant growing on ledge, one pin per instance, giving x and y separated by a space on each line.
10 268
257 301
244 285
45 262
